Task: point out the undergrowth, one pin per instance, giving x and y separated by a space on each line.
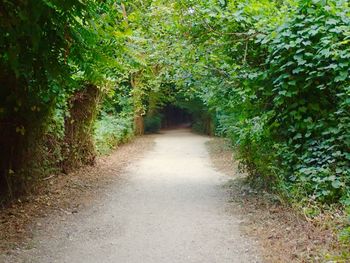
112 130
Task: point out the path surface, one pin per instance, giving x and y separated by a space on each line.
169 206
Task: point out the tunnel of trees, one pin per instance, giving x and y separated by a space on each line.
173 116
80 77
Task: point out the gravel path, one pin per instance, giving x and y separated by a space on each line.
169 206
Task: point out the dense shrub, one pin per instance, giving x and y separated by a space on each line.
152 123
276 75
289 117
34 79
51 51
112 130
309 111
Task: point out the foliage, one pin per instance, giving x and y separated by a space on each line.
33 67
273 76
276 76
153 123
308 114
47 56
112 130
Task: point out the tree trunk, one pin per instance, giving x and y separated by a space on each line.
78 148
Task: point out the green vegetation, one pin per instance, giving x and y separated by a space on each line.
276 78
152 123
273 76
111 131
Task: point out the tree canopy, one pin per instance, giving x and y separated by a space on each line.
271 75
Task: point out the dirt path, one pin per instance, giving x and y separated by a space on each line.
169 206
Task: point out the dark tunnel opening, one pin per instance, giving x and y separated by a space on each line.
190 114
175 117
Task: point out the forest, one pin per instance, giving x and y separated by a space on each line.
79 78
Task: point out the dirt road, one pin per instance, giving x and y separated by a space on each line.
169 206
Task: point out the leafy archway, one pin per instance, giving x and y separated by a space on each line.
273 76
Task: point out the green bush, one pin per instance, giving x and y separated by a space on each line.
152 124
278 80
111 130
309 111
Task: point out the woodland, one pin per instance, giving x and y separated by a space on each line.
273 76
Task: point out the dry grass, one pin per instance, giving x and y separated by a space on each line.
283 234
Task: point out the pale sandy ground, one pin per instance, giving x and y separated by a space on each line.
169 206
